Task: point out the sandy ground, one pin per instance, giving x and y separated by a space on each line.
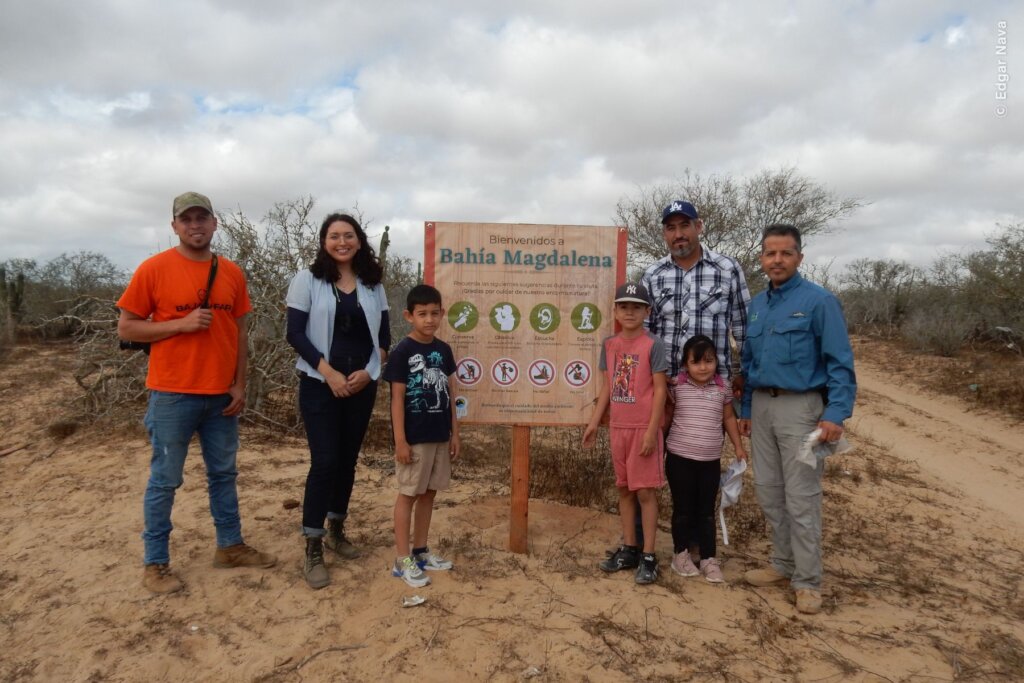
923 530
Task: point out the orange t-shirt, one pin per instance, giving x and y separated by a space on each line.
169 286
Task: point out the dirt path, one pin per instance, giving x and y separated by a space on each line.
906 531
979 454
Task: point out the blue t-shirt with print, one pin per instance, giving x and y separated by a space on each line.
424 370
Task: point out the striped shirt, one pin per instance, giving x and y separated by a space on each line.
710 298
696 431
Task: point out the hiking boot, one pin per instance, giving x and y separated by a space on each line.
242 555
808 601
157 578
337 542
431 562
711 571
683 565
647 572
623 558
314 569
769 576
407 570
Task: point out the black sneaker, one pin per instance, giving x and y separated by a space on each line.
647 572
623 558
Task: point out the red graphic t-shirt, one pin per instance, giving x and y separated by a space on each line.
630 365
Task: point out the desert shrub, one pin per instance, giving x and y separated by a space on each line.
935 329
878 295
561 469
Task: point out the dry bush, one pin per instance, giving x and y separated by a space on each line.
561 469
113 382
940 330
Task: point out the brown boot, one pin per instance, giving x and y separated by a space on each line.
769 576
337 542
157 578
242 555
314 569
808 601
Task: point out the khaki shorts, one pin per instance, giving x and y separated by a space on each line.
431 468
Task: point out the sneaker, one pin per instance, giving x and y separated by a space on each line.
769 576
431 562
336 541
242 555
647 572
683 565
157 578
711 571
407 570
623 558
314 569
808 601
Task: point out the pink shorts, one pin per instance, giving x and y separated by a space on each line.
632 470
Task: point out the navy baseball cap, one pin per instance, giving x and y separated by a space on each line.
632 292
679 206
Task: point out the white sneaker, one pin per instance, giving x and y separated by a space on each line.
432 562
407 570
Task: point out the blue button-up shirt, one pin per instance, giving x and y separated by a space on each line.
797 340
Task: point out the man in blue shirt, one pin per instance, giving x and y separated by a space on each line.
799 378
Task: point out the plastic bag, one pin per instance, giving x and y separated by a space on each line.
814 449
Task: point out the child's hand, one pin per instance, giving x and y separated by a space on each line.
647 446
455 446
590 436
741 453
403 453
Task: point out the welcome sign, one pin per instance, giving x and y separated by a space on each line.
527 307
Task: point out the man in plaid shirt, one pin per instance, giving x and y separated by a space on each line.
696 291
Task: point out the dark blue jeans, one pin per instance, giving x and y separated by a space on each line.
335 428
171 420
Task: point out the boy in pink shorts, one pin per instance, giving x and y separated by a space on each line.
634 385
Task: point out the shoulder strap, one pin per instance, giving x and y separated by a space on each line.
209 283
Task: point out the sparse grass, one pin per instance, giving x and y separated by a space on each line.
1005 650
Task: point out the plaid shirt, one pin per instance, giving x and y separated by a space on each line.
711 299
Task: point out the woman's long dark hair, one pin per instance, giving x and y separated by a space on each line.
365 264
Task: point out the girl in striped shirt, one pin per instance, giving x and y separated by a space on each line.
703 405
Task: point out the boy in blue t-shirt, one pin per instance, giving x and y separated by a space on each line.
420 370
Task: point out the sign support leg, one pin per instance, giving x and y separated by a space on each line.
520 498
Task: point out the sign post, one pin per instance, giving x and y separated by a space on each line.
527 308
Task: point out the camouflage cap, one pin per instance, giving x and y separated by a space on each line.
184 202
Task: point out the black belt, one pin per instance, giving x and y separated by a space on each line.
776 391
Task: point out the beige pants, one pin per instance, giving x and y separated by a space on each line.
788 490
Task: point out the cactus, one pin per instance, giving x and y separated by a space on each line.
385 242
15 296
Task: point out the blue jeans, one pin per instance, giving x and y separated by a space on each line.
171 420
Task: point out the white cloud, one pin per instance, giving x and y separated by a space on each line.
465 111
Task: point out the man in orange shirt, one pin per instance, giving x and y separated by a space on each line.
196 379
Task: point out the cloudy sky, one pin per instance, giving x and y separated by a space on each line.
464 111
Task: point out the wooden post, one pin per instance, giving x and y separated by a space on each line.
520 498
